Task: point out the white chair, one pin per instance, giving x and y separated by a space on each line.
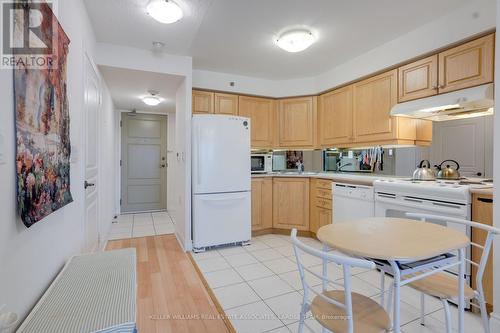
339 311
445 286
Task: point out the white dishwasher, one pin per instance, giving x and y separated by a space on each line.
352 202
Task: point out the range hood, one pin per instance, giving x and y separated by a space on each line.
465 103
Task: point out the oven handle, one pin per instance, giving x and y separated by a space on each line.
386 202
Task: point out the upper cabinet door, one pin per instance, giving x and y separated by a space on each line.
335 117
418 79
373 100
203 102
467 65
297 123
226 104
261 113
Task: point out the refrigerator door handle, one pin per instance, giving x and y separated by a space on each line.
225 199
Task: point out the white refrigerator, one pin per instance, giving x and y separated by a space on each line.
221 180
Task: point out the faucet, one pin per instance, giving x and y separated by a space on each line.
300 166
340 167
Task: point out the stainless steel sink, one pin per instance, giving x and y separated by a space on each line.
296 173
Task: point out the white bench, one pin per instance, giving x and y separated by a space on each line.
92 293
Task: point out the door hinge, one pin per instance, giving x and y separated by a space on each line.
120 162
120 201
121 123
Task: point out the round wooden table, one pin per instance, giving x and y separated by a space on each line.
397 240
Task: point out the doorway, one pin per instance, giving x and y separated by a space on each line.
143 163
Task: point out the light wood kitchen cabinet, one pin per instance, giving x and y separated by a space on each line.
418 79
225 104
373 100
291 203
203 102
467 65
373 123
262 116
482 212
297 122
262 203
335 117
424 132
320 205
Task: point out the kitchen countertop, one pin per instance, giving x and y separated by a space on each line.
361 179
339 177
482 190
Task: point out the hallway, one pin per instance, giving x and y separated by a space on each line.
141 225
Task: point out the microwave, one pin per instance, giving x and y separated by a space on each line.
261 163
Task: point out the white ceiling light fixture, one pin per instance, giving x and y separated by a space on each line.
152 100
295 40
164 11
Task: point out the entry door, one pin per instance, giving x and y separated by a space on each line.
144 163
461 140
92 101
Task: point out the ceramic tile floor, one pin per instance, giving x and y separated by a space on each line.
259 287
141 225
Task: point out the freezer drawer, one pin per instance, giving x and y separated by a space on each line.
221 218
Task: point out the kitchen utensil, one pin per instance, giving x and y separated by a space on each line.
424 171
449 172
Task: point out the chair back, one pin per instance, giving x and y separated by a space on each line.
491 232
346 262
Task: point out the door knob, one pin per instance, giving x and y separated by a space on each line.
162 165
87 184
479 174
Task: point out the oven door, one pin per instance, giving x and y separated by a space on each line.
390 205
258 164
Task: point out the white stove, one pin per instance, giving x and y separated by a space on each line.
439 190
396 197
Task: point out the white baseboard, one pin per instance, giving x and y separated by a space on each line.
495 322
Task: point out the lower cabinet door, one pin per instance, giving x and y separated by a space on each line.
262 203
324 216
291 203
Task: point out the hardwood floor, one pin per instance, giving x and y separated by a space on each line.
168 285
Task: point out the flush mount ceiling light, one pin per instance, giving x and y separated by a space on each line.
158 45
164 11
152 100
296 40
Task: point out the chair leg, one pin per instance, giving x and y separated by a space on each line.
303 311
447 314
422 309
484 313
382 287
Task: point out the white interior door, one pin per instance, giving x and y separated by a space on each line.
92 101
144 163
463 141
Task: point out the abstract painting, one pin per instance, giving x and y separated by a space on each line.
42 130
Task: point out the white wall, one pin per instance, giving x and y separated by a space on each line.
171 160
182 167
30 258
495 317
253 86
108 163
